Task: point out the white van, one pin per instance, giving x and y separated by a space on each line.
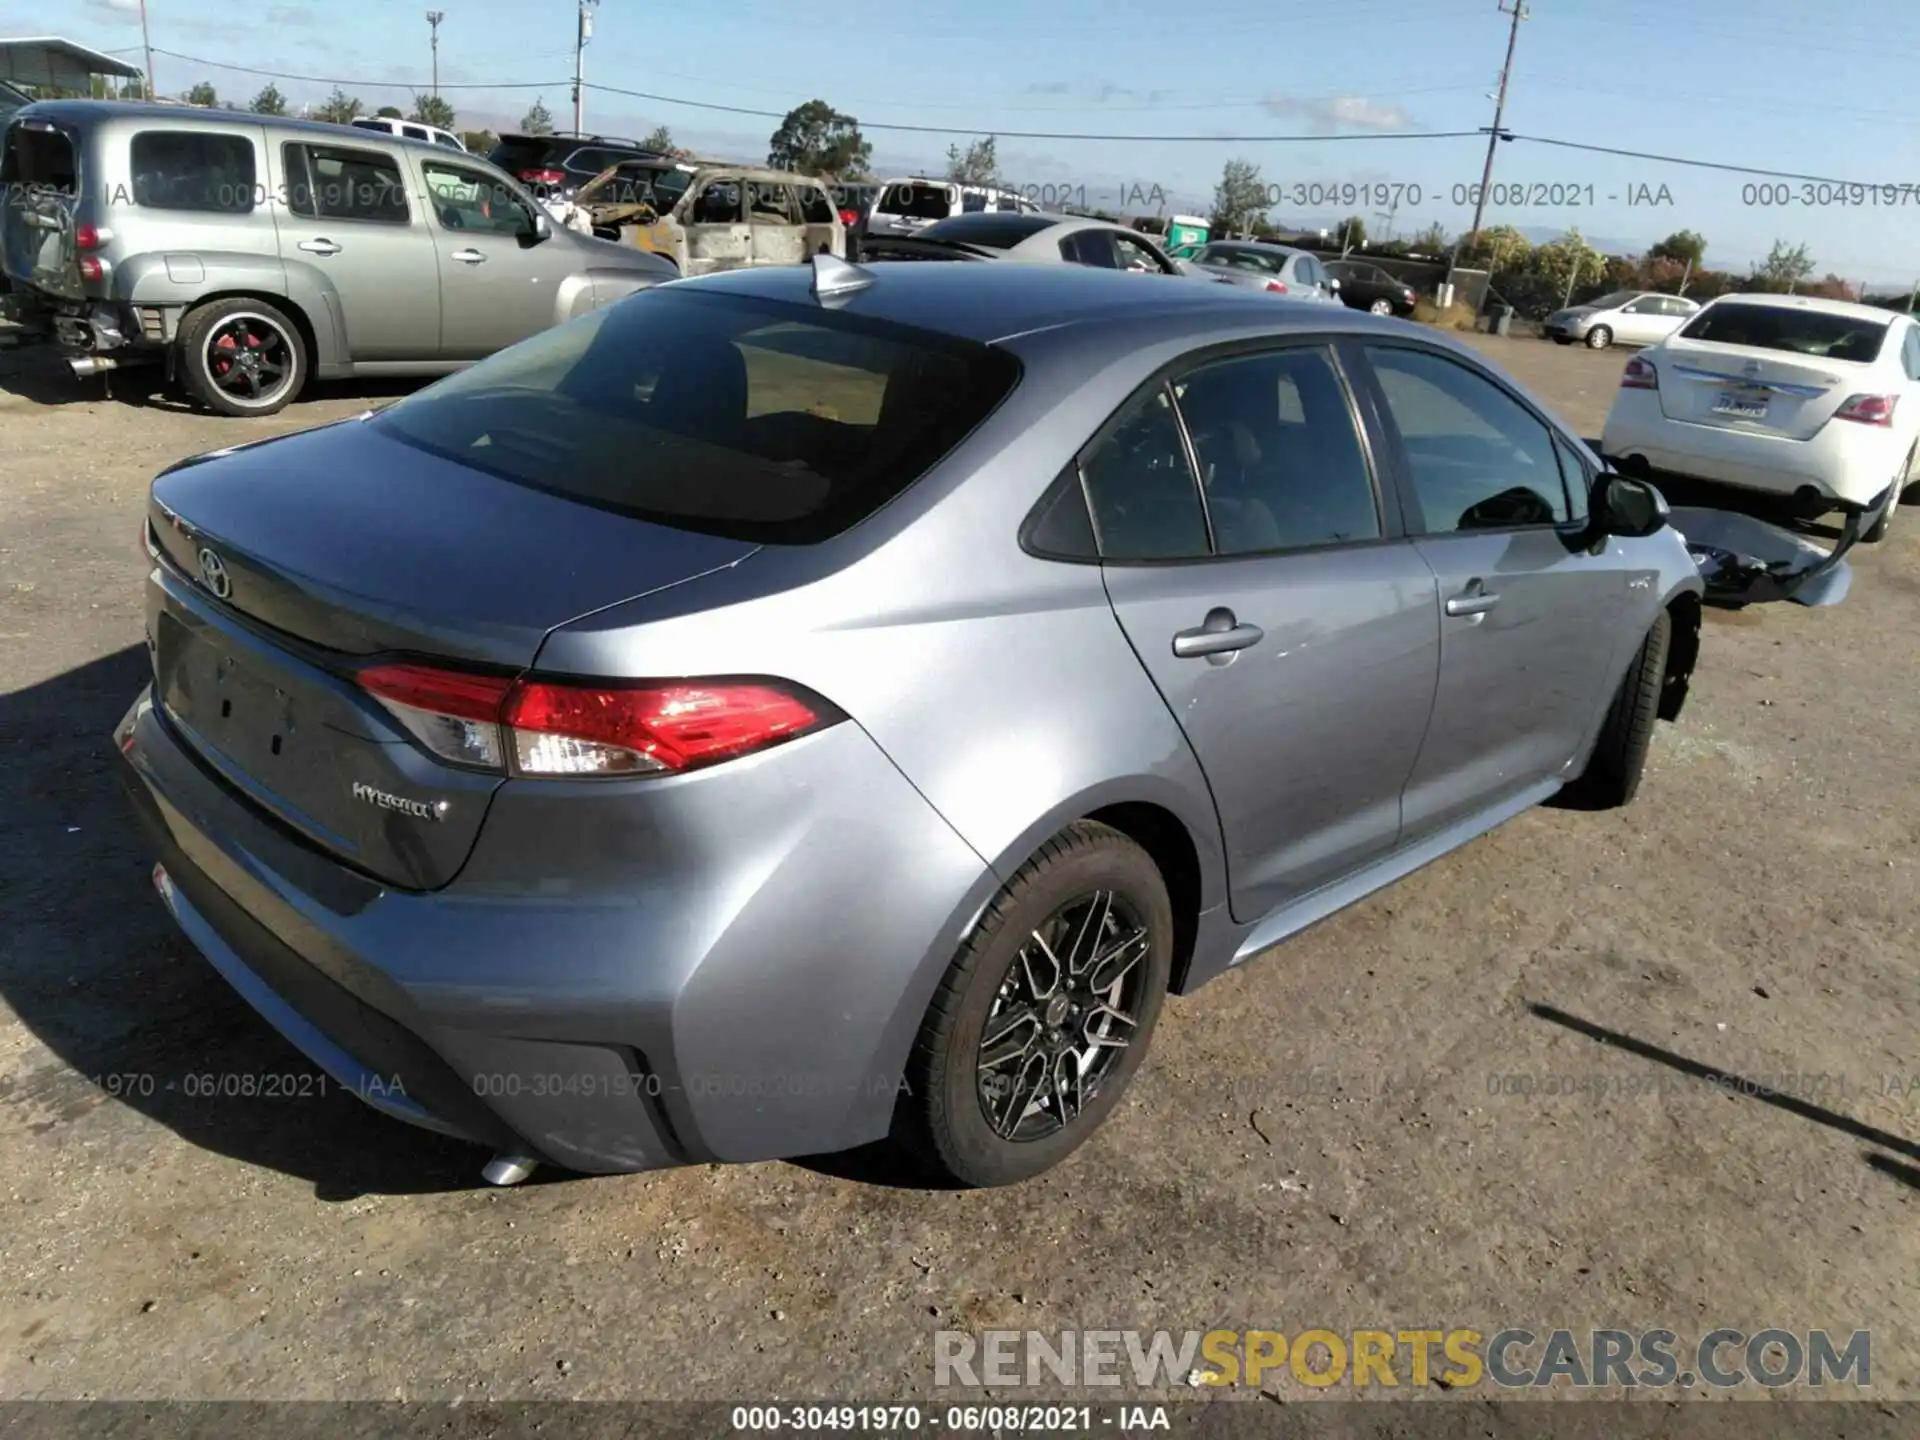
410 129
908 205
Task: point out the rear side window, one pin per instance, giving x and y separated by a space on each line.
762 421
415 132
1789 328
1479 460
1141 488
1280 457
918 202
329 182
193 170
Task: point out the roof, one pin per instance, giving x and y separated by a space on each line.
1254 245
176 114
1810 302
48 60
987 303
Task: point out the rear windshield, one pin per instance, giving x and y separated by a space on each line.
39 158
1789 328
521 152
921 202
761 421
1000 232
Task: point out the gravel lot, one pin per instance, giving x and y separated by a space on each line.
1324 1138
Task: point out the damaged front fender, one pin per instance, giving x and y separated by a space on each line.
1745 561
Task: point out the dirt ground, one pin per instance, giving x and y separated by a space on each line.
1358 1131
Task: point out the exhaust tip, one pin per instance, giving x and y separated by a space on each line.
85 365
505 1169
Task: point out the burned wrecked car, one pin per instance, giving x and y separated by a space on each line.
706 216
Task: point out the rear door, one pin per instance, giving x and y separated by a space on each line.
1291 630
1642 321
40 180
773 214
1528 624
498 282
715 221
348 220
1770 368
208 184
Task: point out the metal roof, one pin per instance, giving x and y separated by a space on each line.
47 60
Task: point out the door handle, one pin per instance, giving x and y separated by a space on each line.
320 247
1474 601
468 257
1219 634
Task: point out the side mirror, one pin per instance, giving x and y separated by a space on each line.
1621 505
542 225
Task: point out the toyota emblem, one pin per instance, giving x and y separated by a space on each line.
213 571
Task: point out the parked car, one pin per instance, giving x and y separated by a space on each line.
250 252
555 166
1276 269
1632 317
703 216
908 206
410 130
1368 287
1814 399
1030 236
943 663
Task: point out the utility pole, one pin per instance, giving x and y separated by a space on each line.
1519 13
146 40
434 17
1686 277
1913 297
584 34
1572 276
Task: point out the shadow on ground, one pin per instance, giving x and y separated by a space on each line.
91 964
37 376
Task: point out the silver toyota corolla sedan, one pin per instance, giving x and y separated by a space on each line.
792 708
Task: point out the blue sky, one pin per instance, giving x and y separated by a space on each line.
1766 83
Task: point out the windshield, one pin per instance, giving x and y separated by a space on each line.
1614 301
753 419
1789 328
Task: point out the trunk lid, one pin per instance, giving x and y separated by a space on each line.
39 198
1746 388
291 561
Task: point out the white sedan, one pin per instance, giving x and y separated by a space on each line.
1631 317
1814 399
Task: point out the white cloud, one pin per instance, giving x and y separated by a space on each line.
1331 114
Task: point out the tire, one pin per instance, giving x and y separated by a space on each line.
943 1119
1563 339
1599 338
1620 755
1901 483
215 344
1381 307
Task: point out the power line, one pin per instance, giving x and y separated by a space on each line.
1907 186
358 84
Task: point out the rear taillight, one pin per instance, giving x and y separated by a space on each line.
1868 409
550 727
849 218
1639 375
543 176
92 269
86 237
1278 287
1409 296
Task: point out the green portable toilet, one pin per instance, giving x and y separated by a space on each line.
1185 231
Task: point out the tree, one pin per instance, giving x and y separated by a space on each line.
1240 198
1783 268
433 110
137 90
1353 233
660 141
976 165
1430 241
1568 262
1689 247
339 107
537 121
390 112
816 139
1496 248
202 94
480 142
268 102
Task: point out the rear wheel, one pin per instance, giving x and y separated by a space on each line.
242 357
1900 484
1620 755
1381 307
1599 337
1045 1014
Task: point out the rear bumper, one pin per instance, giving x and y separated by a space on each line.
624 1006
1851 467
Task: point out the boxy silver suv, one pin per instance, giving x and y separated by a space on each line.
249 253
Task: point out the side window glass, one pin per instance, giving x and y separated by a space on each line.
1145 504
770 205
325 182
1135 256
1280 460
1060 527
718 204
816 206
1479 459
466 200
193 170
972 202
